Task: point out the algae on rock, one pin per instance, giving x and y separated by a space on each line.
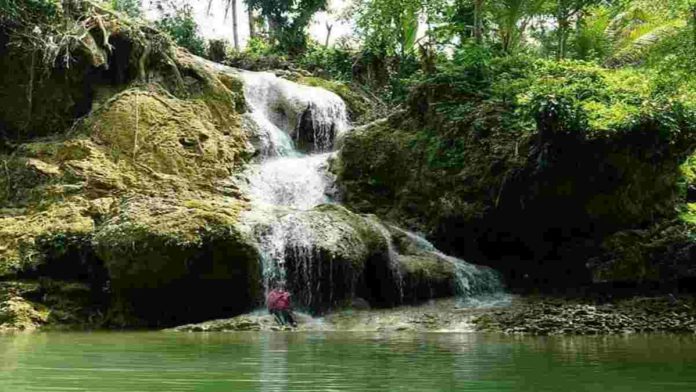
138 187
530 183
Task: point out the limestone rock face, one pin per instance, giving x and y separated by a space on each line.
133 199
326 252
664 252
536 207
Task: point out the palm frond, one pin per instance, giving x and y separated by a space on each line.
635 51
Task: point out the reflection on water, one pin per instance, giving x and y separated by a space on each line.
273 352
231 362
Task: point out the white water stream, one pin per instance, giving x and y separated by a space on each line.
287 181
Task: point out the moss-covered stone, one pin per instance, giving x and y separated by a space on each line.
158 252
20 234
533 196
663 253
16 312
149 240
135 198
358 105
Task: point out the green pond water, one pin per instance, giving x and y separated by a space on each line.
285 361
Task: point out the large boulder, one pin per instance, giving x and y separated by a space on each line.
663 253
324 253
179 260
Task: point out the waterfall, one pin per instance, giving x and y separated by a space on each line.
393 257
473 282
290 115
295 128
299 182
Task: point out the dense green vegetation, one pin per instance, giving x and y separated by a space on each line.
551 139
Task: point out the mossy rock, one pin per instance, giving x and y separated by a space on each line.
358 105
325 251
342 234
665 252
171 260
139 142
20 234
535 205
164 135
426 277
16 312
149 240
139 185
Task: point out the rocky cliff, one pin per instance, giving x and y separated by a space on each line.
566 178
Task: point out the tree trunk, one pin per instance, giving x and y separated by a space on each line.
562 41
235 27
252 25
328 34
478 21
563 26
564 12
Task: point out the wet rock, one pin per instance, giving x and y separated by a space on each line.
139 187
558 317
325 252
16 312
665 252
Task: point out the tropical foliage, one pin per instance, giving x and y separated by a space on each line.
180 24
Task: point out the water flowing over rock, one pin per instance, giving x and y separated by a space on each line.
291 116
299 182
301 247
472 280
323 253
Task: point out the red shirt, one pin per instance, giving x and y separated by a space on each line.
278 300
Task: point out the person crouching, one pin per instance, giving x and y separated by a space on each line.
278 303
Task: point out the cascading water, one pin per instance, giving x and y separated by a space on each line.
288 119
475 285
288 113
288 181
393 257
298 182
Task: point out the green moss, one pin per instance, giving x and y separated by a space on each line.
688 170
150 240
688 215
358 105
427 269
19 234
420 177
16 312
659 253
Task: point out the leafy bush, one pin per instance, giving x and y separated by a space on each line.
571 96
23 11
131 8
259 46
181 26
259 55
590 41
217 50
334 62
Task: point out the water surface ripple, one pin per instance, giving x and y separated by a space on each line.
153 361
